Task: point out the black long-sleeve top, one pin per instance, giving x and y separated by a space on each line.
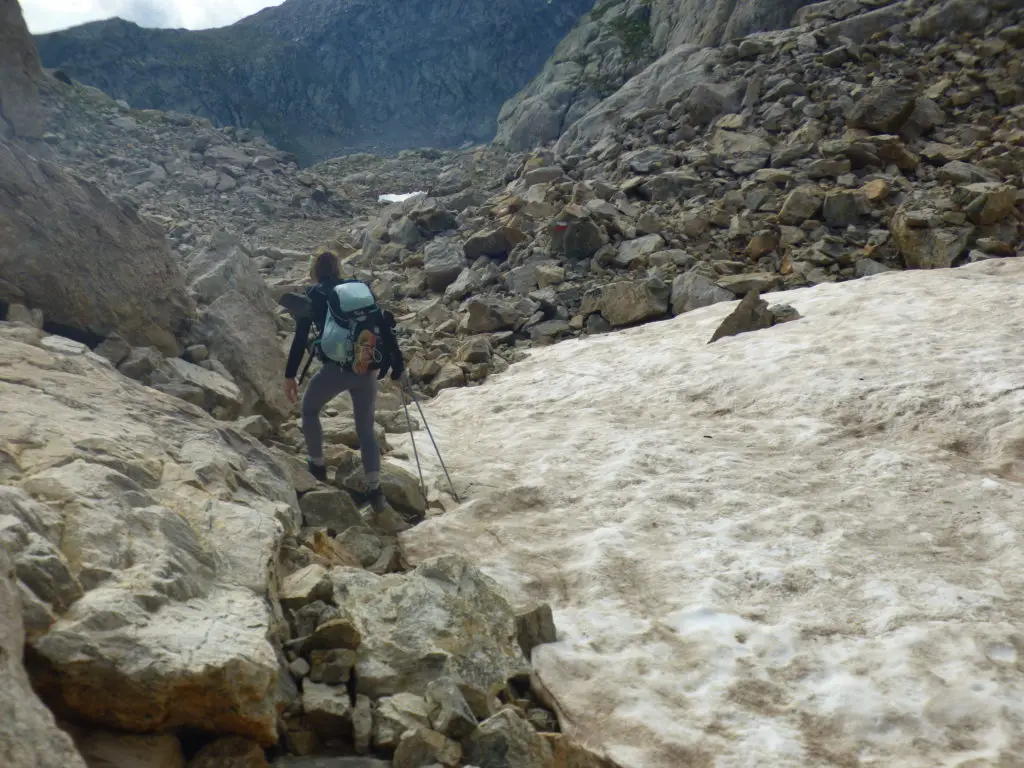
317 295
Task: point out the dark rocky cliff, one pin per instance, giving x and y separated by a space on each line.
324 77
617 40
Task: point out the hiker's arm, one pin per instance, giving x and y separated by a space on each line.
298 347
397 362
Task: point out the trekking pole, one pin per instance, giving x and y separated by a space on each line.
408 423
309 362
405 383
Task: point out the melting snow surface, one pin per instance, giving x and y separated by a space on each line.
796 547
399 198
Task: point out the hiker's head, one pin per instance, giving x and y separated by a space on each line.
324 266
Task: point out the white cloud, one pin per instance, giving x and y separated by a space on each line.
49 15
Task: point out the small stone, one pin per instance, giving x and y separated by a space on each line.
305 586
741 285
803 203
329 508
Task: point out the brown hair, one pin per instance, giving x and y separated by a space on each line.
324 266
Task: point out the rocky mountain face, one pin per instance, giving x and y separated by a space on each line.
327 77
614 42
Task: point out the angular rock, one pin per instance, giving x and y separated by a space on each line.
693 290
29 736
416 629
742 153
495 243
742 284
330 508
486 315
49 261
752 314
927 247
576 235
626 302
397 714
450 714
507 740
535 627
801 204
327 708
334 634
633 253
444 260
987 203
884 108
242 334
420 747
333 667
843 208
305 586
220 396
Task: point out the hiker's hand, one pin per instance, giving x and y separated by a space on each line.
397 373
291 390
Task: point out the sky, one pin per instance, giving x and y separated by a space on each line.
49 15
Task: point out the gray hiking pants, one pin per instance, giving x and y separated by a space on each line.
329 382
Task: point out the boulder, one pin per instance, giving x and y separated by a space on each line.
742 284
170 522
86 262
244 339
801 204
218 395
397 714
635 253
495 243
444 619
575 234
843 208
987 202
924 246
742 153
327 708
626 302
443 261
884 108
20 73
419 747
693 290
449 712
486 315
507 740
329 508
29 736
751 314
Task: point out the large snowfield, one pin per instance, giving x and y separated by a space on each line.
796 547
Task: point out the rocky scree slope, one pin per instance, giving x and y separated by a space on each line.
862 140
327 77
866 138
615 41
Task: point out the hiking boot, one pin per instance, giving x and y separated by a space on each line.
316 470
376 500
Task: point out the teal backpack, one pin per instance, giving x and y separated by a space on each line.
353 331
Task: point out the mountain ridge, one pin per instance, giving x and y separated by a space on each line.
328 77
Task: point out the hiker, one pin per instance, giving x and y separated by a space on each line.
355 353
